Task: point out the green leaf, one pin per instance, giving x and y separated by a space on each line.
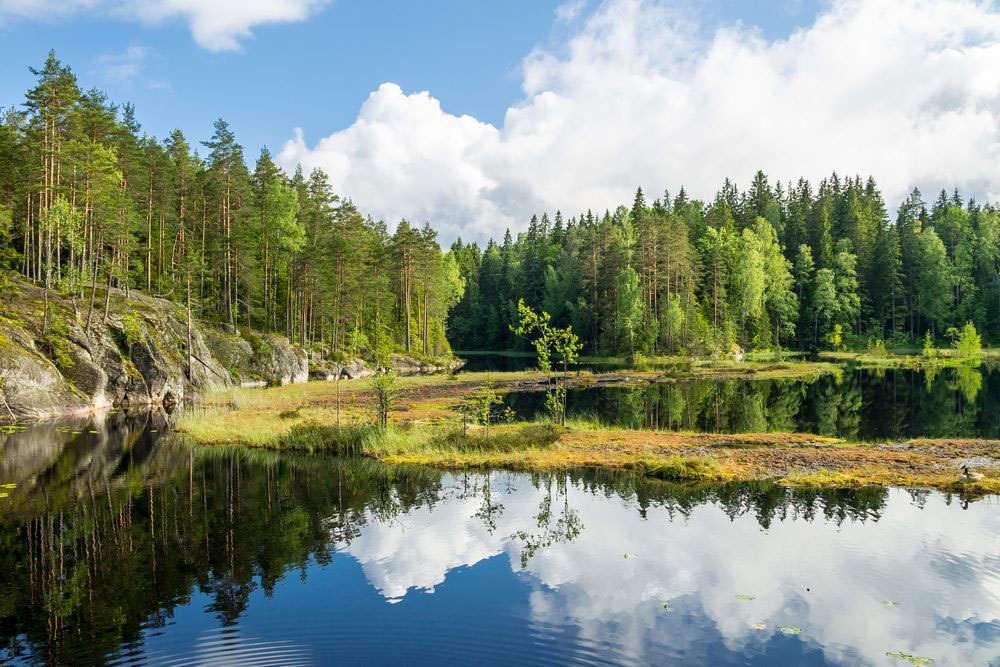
790 630
744 597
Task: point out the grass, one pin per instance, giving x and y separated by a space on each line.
426 429
907 358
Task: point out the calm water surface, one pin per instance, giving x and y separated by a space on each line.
855 404
119 545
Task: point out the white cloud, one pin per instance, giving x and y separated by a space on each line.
570 10
217 25
121 67
906 90
932 560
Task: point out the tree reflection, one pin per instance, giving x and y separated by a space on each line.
105 538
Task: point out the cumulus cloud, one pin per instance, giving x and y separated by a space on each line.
217 25
905 90
931 558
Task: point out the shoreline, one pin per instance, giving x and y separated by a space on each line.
426 429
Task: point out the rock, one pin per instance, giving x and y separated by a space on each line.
347 370
33 386
353 369
407 366
139 355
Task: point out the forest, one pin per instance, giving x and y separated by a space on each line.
89 202
777 266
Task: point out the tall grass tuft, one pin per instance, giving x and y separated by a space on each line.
345 440
532 436
679 469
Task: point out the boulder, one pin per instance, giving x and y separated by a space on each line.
276 362
33 385
406 366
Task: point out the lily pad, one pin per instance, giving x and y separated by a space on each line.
10 486
4 495
758 626
790 630
890 603
744 597
910 658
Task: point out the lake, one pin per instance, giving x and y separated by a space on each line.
121 545
857 404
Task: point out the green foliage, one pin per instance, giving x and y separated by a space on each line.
969 343
483 402
133 328
278 252
345 440
836 338
56 343
929 350
532 436
549 341
385 390
877 348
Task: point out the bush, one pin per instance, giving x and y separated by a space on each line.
132 328
877 348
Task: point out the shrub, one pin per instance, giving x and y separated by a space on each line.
969 343
877 348
928 344
132 329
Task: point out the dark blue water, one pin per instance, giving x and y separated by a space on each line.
855 404
125 547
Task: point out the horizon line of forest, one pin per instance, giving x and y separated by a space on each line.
87 199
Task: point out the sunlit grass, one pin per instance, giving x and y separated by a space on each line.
427 429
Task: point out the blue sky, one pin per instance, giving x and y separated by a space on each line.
315 73
474 115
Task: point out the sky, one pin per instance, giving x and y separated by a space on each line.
474 115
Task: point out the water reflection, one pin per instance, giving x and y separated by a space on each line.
855 404
144 550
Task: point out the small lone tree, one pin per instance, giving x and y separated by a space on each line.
483 401
928 344
969 343
385 386
549 342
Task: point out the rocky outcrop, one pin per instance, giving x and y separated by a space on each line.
406 366
401 364
347 370
138 355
